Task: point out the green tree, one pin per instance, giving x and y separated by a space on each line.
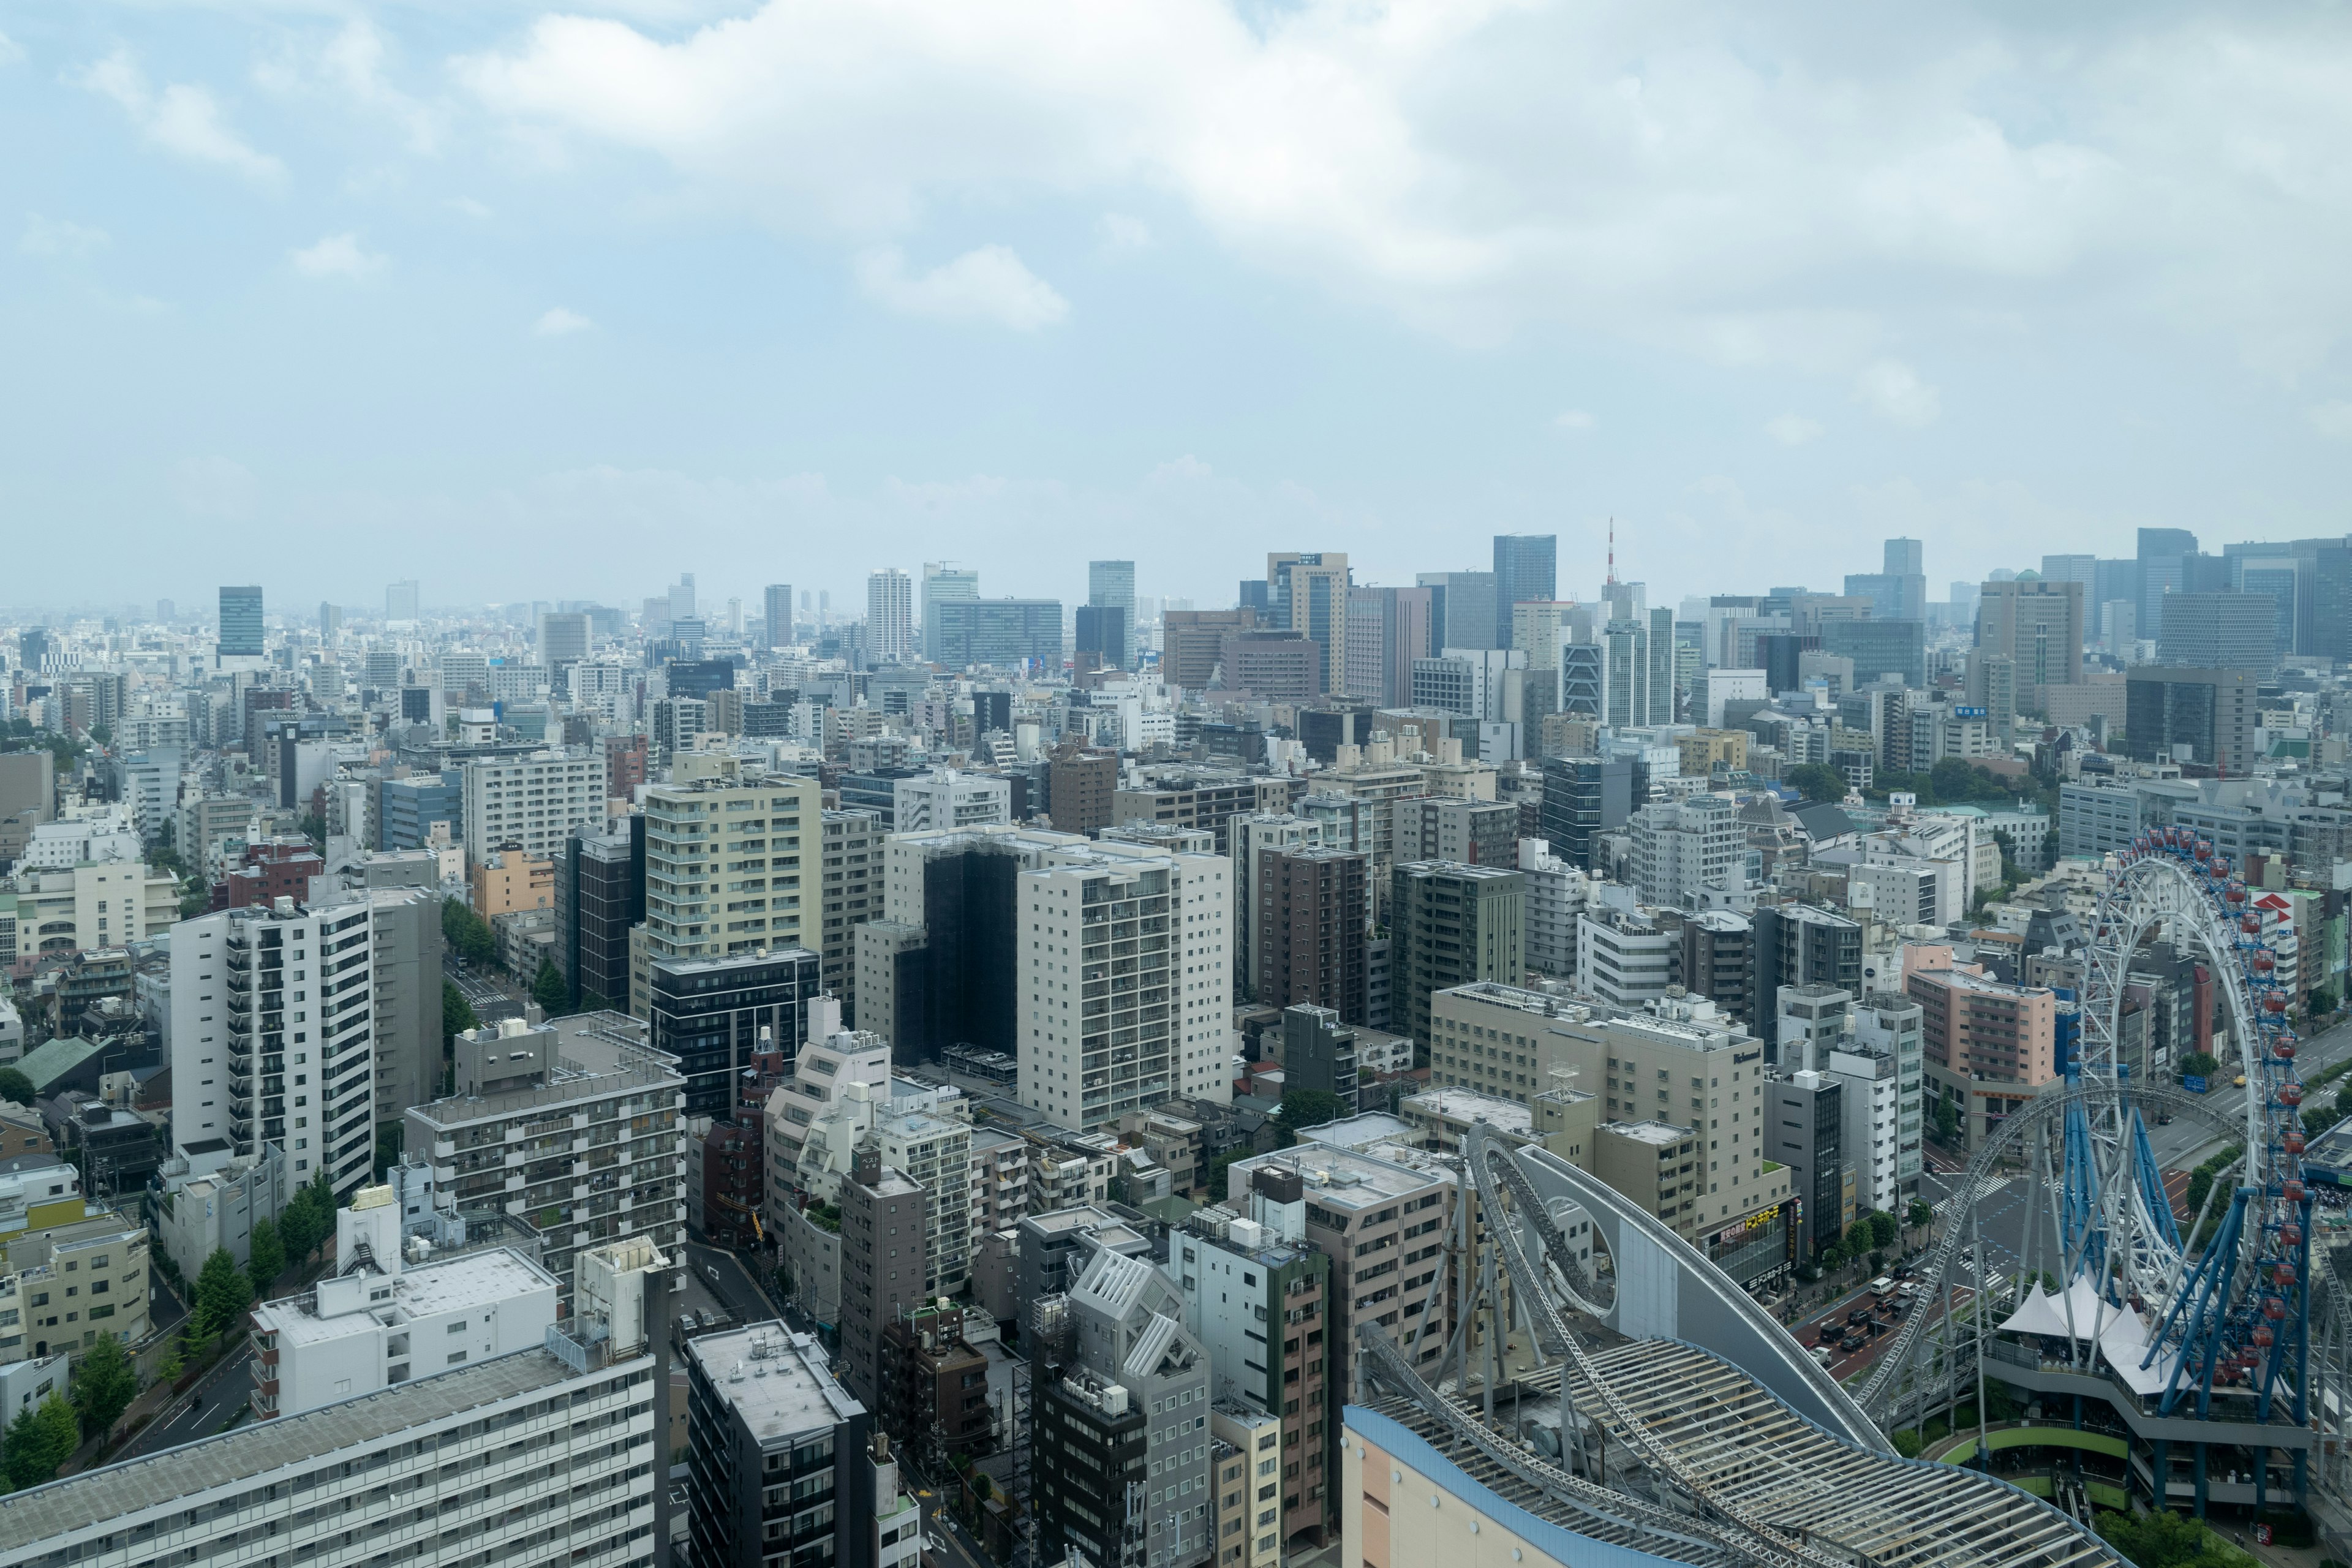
15 1085
469 934
1816 781
1922 1214
104 1384
1948 1123
1881 1228
1305 1108
456 1013
1833 1256
390 1138
38 1441
548 989
222 1292
2165 1539
269 1259
2321 1000
174 1362
2198 1064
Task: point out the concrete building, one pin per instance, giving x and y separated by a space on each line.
2037 625
1199 798
1623 956
852 890
1246 1462
1987 1047
944 800
572 1127
2202 717
1126 982
383 1321
1451 924
723 871
1660 1165
1808 1127
1690 854
883 1218
2220 631
784 1459
273 1037
714 1016
1472 832
532 801
998 634
1312 924
889 616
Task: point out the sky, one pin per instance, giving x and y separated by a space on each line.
531 302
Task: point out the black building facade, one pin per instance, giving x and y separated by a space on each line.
709 1014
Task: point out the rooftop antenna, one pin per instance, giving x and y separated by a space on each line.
1613 551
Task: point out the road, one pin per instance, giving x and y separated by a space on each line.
481 989
2004 1216
203 1411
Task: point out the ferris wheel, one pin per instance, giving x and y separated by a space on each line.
2233 1313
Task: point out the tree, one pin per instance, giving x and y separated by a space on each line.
469 934
1833 1256
1816 781
38 1441
1922 1214
268 1255
308 1218
548 989
1948 1123
2198 1064
15 1085
456 1013
2165 1539
104 1384
1881 1228
2321 1000
1305 1108
222 1292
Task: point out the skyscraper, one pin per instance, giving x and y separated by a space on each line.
563 638
889 616
240 622
2160 554
1526 567
2038 625
1462 610
2220 631
779 615
1309 591
400 600
942 582
1110 584
1898 590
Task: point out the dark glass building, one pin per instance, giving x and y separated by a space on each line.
1584 797
1525 568
710 1013
240 622
600 893
1880 647
958 987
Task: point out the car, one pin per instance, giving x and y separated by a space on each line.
1851 1343
1823 1354
2239 1081
1859 1315
2163 1119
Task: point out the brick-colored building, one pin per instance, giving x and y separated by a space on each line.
1310 928
1989 1045
934 1385
271 868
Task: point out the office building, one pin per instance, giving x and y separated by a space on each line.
1800 944
1879 649
714 1015
1987 1047
584 1410
1462 610
600 895
562 638
1080 785
1103 636
2204 718
1474 832
723 872
2160 562
1106 1021
1307 593
1881 1070
1193 644
1202 799
1451 924
1110 585
999 634
941 582
777 614
2037 625
2220 631
1311 929
531 803
400 600
255 1060
1690 854
1898 590
1806 1115
405 954
883 1216
241 622
889 616
1525 569
1585 797
580 1094
943 800
784 1463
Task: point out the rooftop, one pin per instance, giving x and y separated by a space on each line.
425 1290
1343 1179
1496 993
1662 1134
777 1381
1465 1105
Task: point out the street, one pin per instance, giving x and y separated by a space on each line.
202 1411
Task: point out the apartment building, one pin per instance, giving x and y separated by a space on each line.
1245 1468
1196 798
723 873
1506 1040
1312 928
1988 1046
572 1128
531 802
850 888
273 1037
1450 924
1251 835
884 1217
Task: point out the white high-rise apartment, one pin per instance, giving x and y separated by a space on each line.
1690 854
1127 981
724 871
532 801
943 581
400 600
273 1037
944 798
890 615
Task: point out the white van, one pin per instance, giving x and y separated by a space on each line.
1882 1284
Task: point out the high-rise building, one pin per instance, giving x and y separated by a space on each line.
563 638
400 600
1192 642
1001 634
1110 585
2204 717
241 622
853 895
262 1062
1585 797
778 614
723 871
1690 854
1103 636
2220 631
712 1015
1108 1022
1080 787
1311 927
1451 924
884 1212
531 803
1525 568
1880 647
889 616
2038 625
1798 944
600 894
1309 591
2161 555
1462 610
941 582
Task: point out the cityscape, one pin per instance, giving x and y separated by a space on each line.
1174 783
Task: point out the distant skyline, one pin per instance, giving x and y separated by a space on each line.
558 303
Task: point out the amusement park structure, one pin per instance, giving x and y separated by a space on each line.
1690 1426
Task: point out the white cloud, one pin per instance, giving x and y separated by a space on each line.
479 211
352 69
1121 234
59 239
10 51
560 322
987 285
1479 165
1793 429
1894 391
1573 419
337 256
2333 420
183 119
